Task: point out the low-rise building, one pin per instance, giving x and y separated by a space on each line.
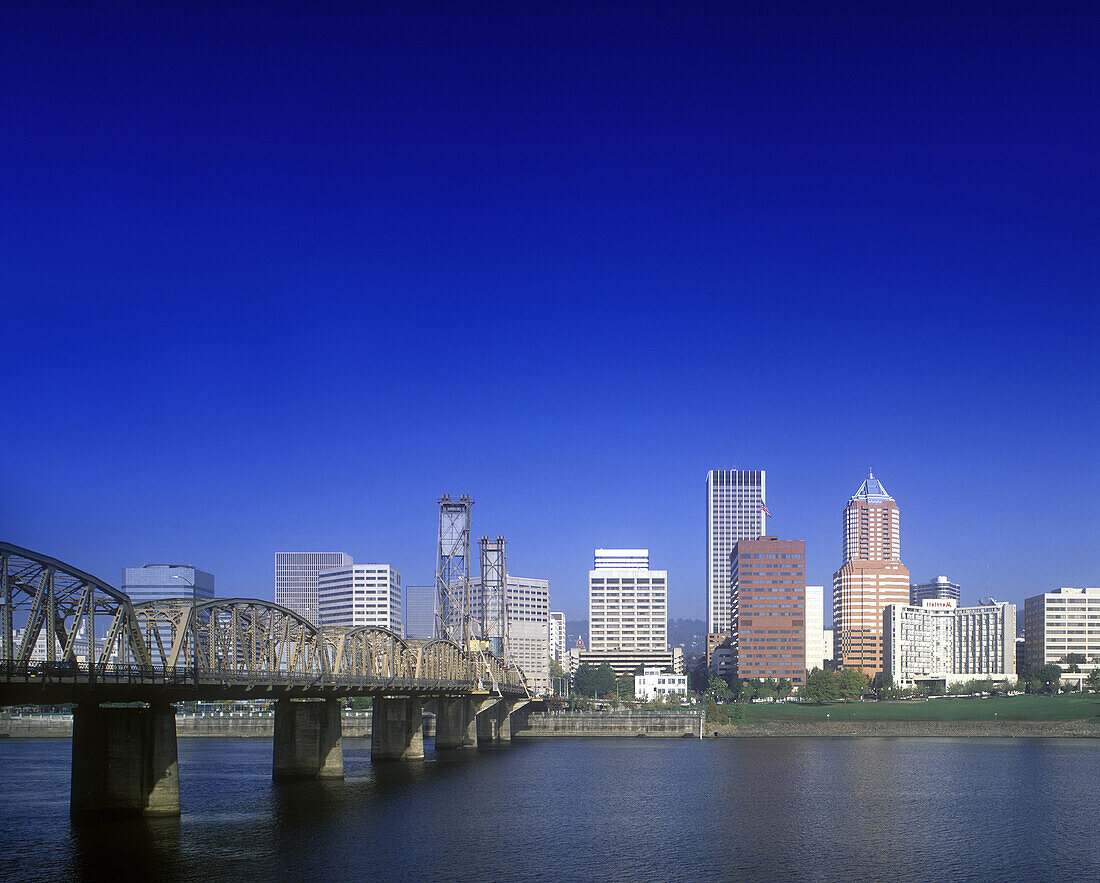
723 659
941 643
628 662
656 684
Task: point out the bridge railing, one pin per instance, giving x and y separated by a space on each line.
64 673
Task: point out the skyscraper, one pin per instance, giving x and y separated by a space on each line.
420 611
527 628
816 651
940 588
768 579
735 511
152 582
871 577
627 602
296 579
360 594
557 638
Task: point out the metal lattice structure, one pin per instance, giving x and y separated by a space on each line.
55 616
494 595
239 636
452 570
175 649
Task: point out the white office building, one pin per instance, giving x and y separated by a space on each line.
360 594
557 638
627 602
1063 622
816 651
736 507
296 579
528 627
939 642
655 684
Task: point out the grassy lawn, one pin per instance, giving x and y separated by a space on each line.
1067 706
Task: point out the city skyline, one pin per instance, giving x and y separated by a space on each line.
272 299
677 593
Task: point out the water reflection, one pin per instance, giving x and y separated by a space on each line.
154 842
808 809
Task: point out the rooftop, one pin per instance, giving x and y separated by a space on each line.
872 490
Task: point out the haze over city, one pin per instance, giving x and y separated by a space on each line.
285 291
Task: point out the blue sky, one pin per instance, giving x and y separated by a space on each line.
277 280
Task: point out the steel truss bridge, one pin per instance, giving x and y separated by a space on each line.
99 645
68 637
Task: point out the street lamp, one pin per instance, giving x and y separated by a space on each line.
194 630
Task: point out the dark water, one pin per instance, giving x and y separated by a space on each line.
632 809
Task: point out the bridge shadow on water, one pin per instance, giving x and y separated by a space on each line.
94 848
324 801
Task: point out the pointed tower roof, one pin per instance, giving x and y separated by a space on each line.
872 490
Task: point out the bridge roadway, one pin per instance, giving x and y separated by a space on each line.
68 637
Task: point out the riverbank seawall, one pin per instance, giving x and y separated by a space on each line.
227 726
564 725
1072 729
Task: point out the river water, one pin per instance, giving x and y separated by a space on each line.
586 809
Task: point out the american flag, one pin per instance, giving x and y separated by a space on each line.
764 509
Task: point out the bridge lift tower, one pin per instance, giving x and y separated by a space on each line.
452 570
494 596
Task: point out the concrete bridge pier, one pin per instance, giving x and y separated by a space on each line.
397 729
124 762
494 725
308 740
455 724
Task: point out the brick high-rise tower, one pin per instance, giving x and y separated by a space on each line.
871 577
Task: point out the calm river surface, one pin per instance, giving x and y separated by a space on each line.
630 809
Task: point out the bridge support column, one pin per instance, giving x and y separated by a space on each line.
124 762
308 740
397 729
494 726
455 724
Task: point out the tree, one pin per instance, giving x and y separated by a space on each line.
769 689
883 687
1073 660
624 686
748 690
1093 680
1049 676
591 681
851 683
784 688
820 687
719 689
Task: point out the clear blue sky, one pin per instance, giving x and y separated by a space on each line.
277 279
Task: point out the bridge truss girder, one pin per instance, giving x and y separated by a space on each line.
76 610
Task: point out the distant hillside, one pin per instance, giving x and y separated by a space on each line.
691 633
